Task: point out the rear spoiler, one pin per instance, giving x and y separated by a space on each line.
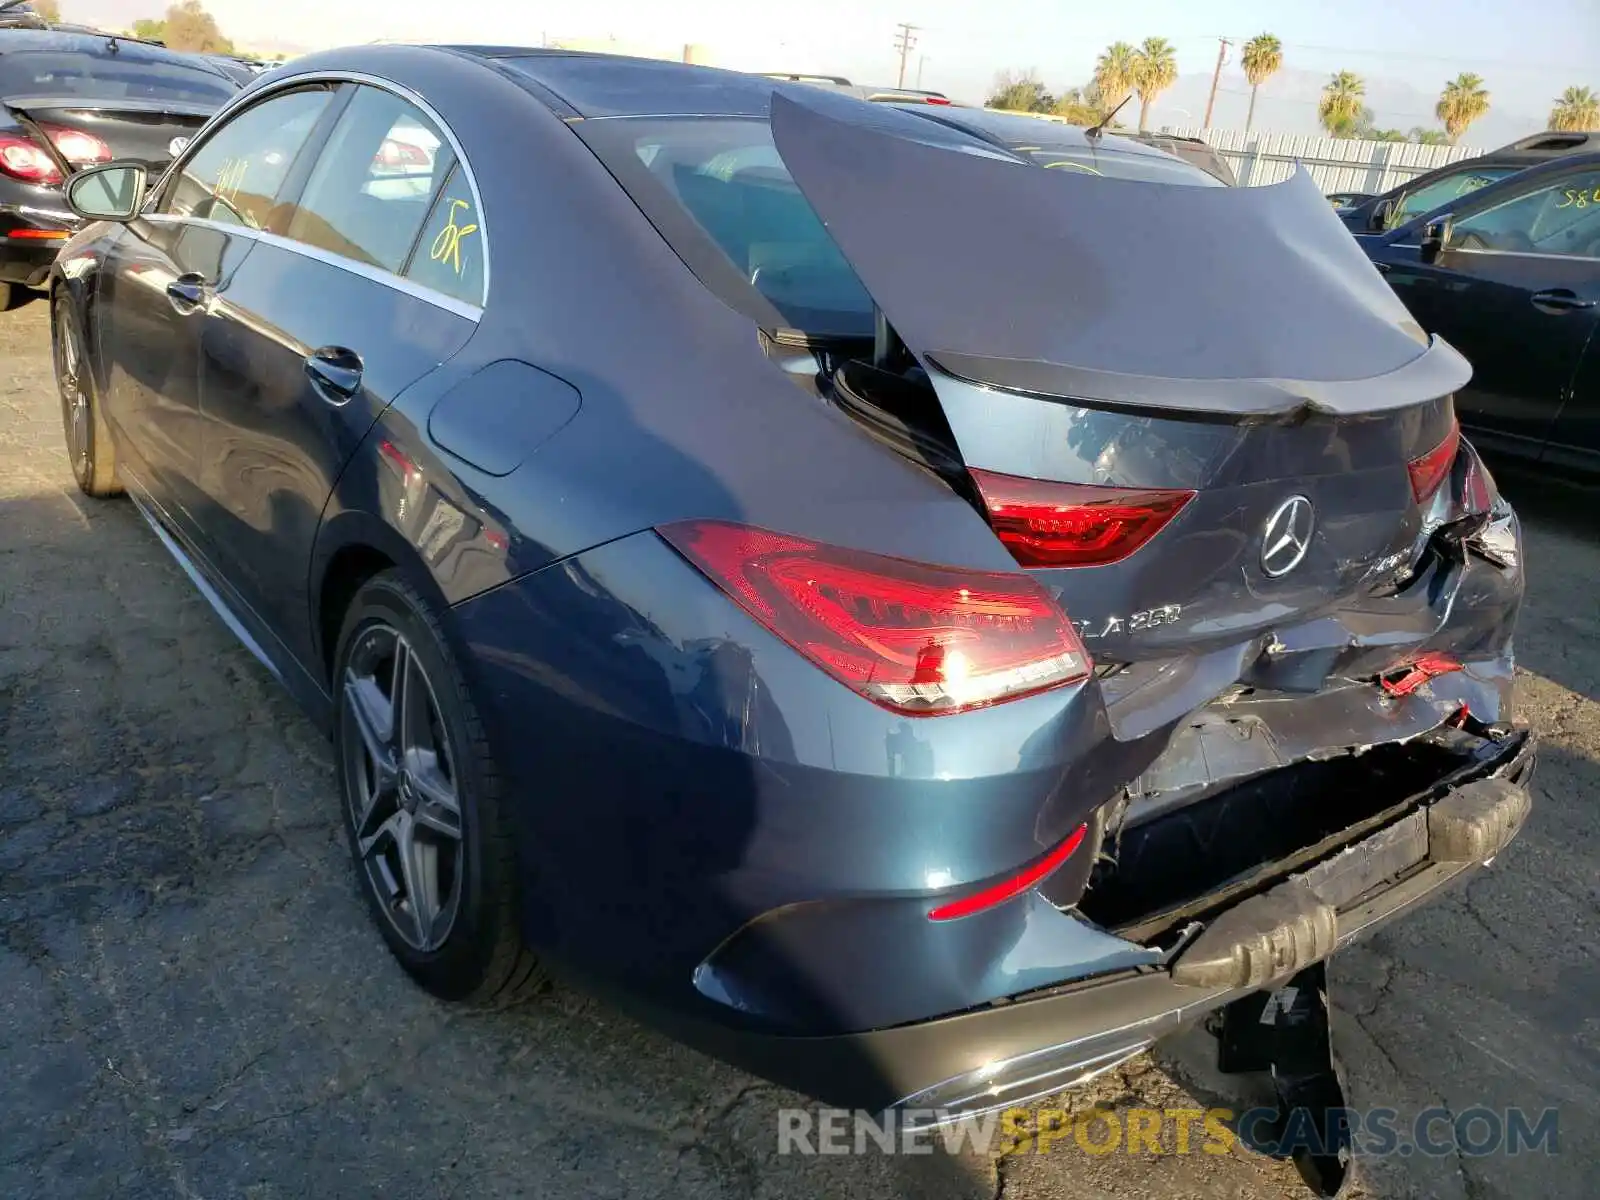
1438 371
177 108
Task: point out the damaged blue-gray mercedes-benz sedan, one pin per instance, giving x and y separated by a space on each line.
916 622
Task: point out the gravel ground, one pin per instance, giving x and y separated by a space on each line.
192 1002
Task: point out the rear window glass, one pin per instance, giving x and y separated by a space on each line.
125 75
719 193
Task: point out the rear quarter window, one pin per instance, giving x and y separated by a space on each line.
449 257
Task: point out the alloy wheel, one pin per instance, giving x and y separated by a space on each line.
74 400
404 803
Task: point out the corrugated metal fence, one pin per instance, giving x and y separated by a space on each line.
1337 164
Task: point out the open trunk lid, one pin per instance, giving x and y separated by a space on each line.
142 131
1237 301
1226 356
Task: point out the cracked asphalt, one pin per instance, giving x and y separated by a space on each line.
193 1003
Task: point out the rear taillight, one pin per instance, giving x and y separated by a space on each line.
1429 470
1047 524
917 638
77 147
24 159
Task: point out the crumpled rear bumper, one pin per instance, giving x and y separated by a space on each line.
1034 1044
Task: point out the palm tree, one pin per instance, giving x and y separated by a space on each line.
1462 102
1263 56
1340 107
1114 73
1155 70
1426 137
1577 108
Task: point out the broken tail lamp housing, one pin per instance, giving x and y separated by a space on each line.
1429 470
1047 524
917 638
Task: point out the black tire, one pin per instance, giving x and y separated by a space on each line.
480 958
89 450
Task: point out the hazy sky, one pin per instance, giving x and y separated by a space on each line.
1527 51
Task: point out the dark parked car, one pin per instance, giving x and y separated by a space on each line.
1510 276
918 624
1448 184
73 99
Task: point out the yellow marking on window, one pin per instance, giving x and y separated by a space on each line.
447 246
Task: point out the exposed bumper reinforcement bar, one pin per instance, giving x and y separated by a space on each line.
1036 1044
1270 937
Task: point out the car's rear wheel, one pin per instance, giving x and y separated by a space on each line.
89 449
423 802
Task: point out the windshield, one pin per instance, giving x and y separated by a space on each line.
126 75
1442 191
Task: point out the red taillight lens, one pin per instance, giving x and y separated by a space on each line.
1429 470
1015 886
1047 524
77 147
22 158
920 639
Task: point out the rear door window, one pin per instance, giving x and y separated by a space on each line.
1561 216
374 182
235 177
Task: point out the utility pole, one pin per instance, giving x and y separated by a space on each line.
905 41
1216 77
922 61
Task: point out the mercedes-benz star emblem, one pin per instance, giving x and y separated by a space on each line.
1287 536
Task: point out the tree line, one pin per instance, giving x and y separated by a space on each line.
1147 70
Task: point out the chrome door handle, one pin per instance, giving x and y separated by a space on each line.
335 372
1559 300
187 293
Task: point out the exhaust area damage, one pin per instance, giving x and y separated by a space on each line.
1253 789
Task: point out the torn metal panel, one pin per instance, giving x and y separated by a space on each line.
1244 301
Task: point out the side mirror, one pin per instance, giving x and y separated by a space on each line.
113 192
1435 239
1382 211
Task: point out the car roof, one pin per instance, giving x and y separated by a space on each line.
612 85
16 39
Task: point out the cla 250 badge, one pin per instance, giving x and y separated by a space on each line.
1148 618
